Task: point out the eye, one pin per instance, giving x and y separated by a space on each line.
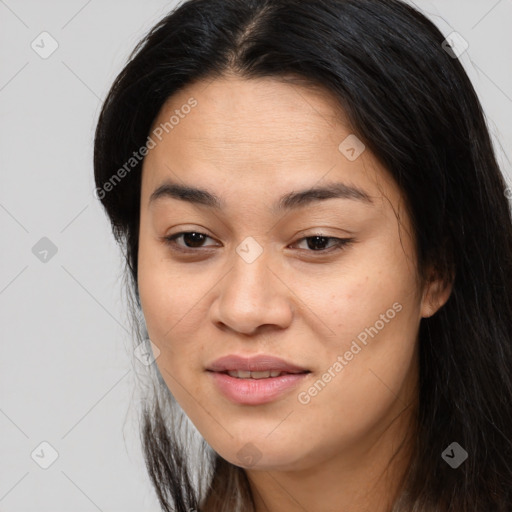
191 239
317 243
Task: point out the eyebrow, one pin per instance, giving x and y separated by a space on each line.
292 200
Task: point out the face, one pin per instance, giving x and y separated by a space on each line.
256 264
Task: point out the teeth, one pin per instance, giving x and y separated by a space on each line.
242 374
260 375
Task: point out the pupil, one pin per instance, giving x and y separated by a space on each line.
312 242
193 238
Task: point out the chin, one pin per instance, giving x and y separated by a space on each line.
263 456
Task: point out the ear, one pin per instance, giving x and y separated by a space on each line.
436 293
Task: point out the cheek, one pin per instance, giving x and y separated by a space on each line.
170 310
355 298
161 303
166 293
375 318
175 310
373 327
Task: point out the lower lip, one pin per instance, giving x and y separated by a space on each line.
255 391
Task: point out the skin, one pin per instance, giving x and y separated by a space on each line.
251 142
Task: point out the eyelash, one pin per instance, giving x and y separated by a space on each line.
341 243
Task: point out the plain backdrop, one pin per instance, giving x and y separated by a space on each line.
66 366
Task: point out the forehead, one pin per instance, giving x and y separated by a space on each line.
256 133
255 111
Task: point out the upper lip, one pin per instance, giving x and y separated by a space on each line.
259 363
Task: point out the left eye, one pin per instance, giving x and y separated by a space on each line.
194 240
317 242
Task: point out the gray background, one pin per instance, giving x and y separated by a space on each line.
67 372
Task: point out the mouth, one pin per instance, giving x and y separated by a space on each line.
255 380
262 366
257 388
268 374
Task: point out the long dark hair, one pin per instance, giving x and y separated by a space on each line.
412 104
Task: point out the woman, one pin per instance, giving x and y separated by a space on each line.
318 238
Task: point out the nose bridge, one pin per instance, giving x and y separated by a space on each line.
250 275
250 295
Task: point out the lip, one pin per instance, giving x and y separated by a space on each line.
259 363
255 391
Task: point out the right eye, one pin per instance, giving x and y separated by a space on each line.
191 239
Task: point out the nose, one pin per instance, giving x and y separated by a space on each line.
251 296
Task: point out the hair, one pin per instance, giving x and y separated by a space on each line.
414 107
